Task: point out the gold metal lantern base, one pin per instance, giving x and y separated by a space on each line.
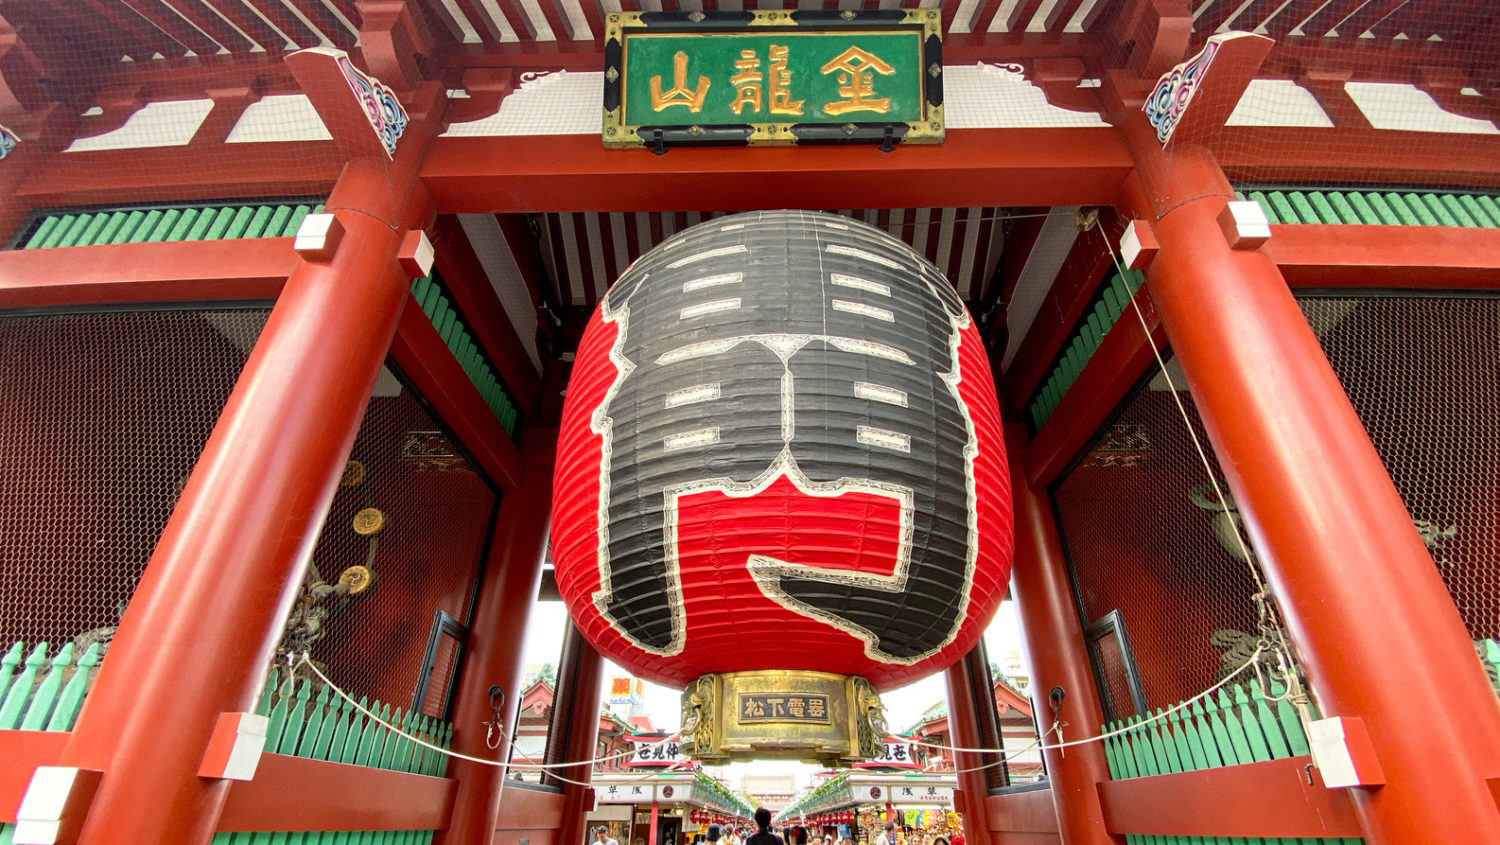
835 720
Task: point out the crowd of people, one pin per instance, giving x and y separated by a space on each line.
796 834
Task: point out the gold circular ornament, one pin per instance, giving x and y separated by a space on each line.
354 475
358 578
369 522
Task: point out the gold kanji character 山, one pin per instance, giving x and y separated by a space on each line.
679 94
747 82
856 69
781 81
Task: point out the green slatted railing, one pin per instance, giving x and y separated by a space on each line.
1377 208
320 725
38 694
175 223
1237 726
1110 301
440 311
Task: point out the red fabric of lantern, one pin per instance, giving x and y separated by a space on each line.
781 448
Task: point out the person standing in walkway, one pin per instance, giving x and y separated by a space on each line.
602 837
764 836
887 836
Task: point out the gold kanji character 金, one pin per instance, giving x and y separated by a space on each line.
679 94
856 71
781 82
747 82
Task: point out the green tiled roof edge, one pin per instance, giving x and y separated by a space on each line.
187 222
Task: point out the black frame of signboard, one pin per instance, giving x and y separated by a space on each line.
660 138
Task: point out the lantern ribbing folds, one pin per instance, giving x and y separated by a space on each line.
781 478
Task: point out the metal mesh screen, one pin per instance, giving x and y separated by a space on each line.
1143 539
102 419
1422 374
405 535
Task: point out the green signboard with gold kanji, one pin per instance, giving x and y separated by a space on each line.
772 78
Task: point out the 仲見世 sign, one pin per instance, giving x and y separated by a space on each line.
772 78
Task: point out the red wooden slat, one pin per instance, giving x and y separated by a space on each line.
165 18
89 28
980 271
595 15
348 10
1400 20
1329 16
1061 14
657 233
326 21
470 13
612 266
1022 14
1288 18
287 22
1216 16
562 25
1446 20
559 258
934 228
215 26
1247 20
587 272
956 250
139 28
251 24
1368 15
527 31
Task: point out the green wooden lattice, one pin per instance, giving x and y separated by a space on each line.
309 720
177 223
1109 303
38 694
1393 207
430 295
1238 725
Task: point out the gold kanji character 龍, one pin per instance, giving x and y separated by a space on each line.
679 94
856 71
781 81
747 82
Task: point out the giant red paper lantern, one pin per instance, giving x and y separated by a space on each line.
781 449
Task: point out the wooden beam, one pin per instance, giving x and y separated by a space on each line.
1436 257
300 794
1360 156
1114 369
294 168
1089 262
574 172
527 807
20 753
252 268
1022 811
1267 799
421 354
464 277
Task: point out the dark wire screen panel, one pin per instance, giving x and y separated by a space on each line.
412 517
1423 377
1141 540
102 417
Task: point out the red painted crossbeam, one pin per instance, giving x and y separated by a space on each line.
1438 257
1270 799
973 167
298 794
250 268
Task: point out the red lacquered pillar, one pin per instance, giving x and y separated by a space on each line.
1058 656
580 680
494 656
203 624
963 723
1359 591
